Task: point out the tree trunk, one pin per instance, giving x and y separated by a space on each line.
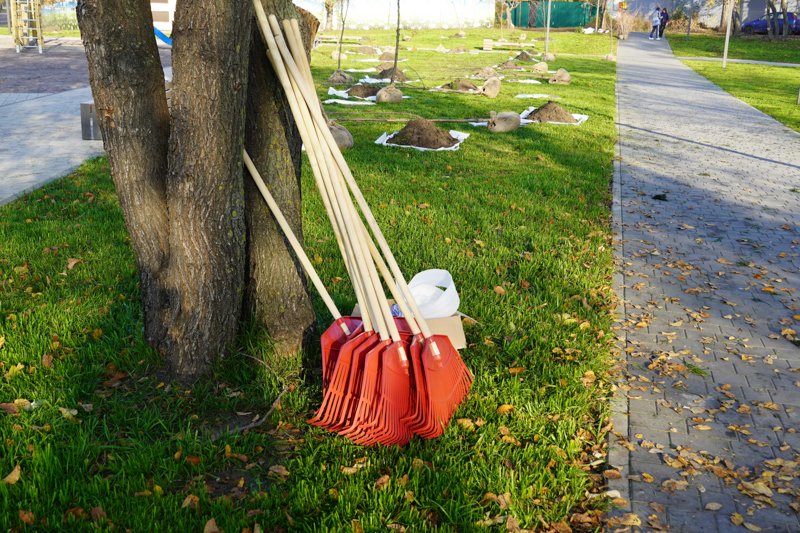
727 6
785 11
771 14
329 5
277 295
178 174
128 87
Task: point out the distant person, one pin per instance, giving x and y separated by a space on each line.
664 20
656 23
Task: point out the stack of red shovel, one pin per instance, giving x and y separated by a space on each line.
385 379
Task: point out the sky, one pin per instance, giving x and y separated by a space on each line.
413 13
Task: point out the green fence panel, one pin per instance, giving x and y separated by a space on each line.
563 15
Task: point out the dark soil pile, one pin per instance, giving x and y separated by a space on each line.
486 73
369 50
524 56
424 133
461 84
551 112
510 65
364 91
340 78
387 74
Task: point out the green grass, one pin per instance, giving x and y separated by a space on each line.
772 90
527 211
754 47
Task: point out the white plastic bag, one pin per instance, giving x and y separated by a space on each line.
435 293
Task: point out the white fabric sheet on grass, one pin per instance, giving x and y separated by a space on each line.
368 79
537 95
523 119
347 102
530 82
457 135
370 69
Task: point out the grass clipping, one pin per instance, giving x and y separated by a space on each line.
423 133
552 112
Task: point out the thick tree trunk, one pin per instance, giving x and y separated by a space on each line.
128 87
277 295
727 6
785 11
205 281
178 174
329 5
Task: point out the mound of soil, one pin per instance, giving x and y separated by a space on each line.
368 50
524 56
510 65
424 133
552 112
458 50
486 73
364 91
387 74
385 66
461 84
340 78
561 77
387 56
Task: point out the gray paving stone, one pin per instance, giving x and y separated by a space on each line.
723 223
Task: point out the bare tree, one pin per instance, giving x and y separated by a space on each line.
344 6
785 11
330 6
208 255
396 45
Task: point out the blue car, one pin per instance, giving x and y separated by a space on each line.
760 25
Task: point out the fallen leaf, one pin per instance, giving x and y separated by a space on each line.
505 409
629 519
9 409
466 423
2 341
737 519
702 427
211 527
713 506
588 378
499 290
397 527
751 526
382 482
97 513
508 439
13 477
71 262
516 370
97 333
27 517
14 370
78 513
191 501
612 473
47 360
279 470
672 485
143 494
69 414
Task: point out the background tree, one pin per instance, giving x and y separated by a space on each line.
330 5
208 254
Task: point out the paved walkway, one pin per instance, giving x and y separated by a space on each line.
40 126
742 61
707 210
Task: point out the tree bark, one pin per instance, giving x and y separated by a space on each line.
277 294
128 86
785 10
727 6
329 5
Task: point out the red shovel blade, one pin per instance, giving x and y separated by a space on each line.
448 381
332 340
393 402
367 394
337 388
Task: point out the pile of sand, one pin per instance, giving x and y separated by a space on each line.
551 112
364 91
485 73
387 74
524 56
340 77
461 84
510 65
423 133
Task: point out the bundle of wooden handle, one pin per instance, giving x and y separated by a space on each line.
384 378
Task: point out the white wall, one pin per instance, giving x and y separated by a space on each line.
414 14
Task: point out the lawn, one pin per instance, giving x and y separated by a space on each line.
520 219
775 92
754 47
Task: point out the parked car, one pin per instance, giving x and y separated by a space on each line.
760 25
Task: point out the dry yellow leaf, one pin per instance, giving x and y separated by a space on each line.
508 439
499 290
382 482
702 427
211 527
466 423
751 526
588 378
713 506
505 409
13 477
190 501
647 478
71 262
737 519
2 341
279 470
514 370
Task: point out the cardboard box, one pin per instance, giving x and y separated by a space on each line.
450 326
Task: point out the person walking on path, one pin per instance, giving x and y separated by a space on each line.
664 19
656 23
